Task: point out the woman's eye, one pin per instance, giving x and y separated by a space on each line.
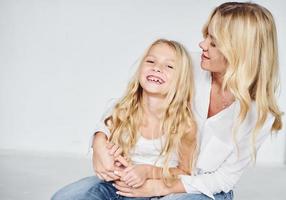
212 44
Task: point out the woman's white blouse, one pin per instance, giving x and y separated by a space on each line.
221 161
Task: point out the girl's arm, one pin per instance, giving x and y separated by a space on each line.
103 161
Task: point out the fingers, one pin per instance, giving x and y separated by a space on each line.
109 144
122 160
119 173
128 177
106 175
135 184
103 176
117 164
121 183
124 190
112 176
113 149
118 152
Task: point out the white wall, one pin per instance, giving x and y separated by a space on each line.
61 61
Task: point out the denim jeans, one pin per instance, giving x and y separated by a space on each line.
82 188
77 190
106 191
186 196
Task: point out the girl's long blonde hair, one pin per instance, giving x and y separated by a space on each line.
178 120
245 34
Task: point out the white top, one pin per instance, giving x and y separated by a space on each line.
220 164
145 151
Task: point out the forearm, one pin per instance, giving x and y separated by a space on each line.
101 159
162 189
157 172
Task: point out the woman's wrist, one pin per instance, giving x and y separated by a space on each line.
153 172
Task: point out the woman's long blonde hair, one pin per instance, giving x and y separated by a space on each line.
245 34
178 119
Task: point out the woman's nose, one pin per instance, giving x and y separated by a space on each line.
203 45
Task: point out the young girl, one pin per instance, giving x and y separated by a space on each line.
153 123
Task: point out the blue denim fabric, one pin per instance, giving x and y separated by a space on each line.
186 196
77 190
106 191
88 187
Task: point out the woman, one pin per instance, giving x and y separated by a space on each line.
235 105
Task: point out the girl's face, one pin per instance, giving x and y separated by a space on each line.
212 59
157 70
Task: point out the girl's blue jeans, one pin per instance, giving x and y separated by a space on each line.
92 188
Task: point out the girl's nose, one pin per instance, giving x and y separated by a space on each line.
157 68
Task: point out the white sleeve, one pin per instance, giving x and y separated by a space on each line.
229 172
100 126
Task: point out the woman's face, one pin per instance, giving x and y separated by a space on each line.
158 70
212 59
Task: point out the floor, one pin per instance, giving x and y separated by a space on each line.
36 176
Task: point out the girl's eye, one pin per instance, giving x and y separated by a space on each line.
149 61
170 66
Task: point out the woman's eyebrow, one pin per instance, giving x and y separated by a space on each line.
212 37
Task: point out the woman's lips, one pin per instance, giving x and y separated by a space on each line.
204 57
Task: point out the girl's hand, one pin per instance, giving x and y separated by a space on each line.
151 188
135 175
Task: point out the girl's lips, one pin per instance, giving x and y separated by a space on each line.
155 79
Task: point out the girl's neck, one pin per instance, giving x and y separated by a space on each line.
153 106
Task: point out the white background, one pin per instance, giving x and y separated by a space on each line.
62 61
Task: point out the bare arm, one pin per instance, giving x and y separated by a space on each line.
103 161
151 188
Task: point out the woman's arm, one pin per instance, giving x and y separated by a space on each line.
151 188
221 179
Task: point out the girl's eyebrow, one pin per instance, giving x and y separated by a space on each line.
150 55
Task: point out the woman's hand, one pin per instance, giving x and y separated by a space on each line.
151 188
